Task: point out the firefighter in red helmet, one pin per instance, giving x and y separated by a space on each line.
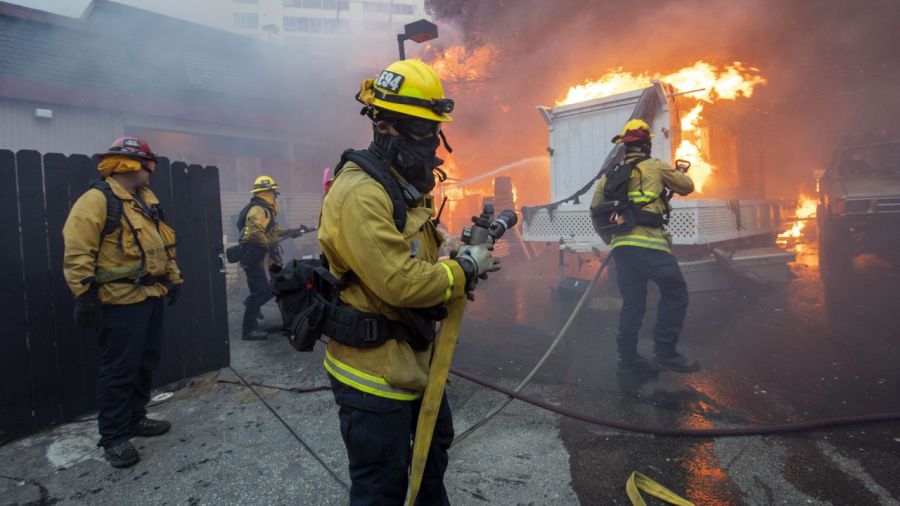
119 262
631 205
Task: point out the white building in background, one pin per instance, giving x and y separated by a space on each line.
294 22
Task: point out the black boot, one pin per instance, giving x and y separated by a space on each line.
636 366
121 454
671 360
149 427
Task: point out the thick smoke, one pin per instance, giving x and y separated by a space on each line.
831 66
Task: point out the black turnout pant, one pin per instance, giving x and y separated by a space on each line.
260 293
130 345
635 266
378 434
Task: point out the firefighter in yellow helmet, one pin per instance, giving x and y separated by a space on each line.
259 237
376 235
119 262
631 204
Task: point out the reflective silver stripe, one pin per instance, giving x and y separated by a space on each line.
641 242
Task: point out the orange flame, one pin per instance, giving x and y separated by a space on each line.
458 64
704 82
806 209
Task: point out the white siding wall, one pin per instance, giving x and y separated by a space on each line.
71 130
580 137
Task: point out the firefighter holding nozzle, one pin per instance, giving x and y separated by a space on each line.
259 245
630 209
377 236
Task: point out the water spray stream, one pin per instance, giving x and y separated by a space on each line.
509 166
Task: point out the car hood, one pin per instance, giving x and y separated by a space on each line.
871 186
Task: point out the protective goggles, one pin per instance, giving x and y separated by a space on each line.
416 126
439 106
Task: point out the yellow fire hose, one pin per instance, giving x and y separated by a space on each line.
637 482
444 345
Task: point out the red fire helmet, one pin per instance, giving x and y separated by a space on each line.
132 147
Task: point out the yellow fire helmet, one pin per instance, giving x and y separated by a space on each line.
635 131
408 87
264 183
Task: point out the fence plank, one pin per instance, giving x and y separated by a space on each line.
42 355
71 377
218 343
168 189
15 384
201 316
171 367
83 169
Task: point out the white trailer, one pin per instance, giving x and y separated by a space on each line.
579 145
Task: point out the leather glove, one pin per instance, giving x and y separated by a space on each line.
476 262
88 310
172 293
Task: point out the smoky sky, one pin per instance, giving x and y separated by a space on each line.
832 66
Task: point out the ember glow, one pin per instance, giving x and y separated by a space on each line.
702 82
806 209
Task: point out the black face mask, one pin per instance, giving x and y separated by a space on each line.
414 160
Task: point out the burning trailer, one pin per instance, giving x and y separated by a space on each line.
720 242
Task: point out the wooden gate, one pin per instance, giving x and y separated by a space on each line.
48 367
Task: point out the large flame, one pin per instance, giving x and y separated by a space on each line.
458 64
707 82
806 209
702 81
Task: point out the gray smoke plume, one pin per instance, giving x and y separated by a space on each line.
832 66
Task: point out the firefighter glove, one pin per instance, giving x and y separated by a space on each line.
476 261
88 310
172 293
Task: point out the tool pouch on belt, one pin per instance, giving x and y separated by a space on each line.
613 217
308 296
306 327
304 290
233 254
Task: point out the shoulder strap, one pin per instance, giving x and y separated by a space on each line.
114 214
616 186
113 208
376 169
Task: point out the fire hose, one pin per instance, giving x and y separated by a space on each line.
440 367
643 429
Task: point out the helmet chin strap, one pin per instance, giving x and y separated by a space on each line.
446 145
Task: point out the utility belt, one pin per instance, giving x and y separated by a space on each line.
352 327
649 219
142 280
360 329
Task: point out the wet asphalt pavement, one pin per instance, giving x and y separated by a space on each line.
811 350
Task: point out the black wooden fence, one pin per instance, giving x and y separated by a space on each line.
48 368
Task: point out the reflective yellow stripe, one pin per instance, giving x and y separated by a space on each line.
365 382
641 241
449 291
644 197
